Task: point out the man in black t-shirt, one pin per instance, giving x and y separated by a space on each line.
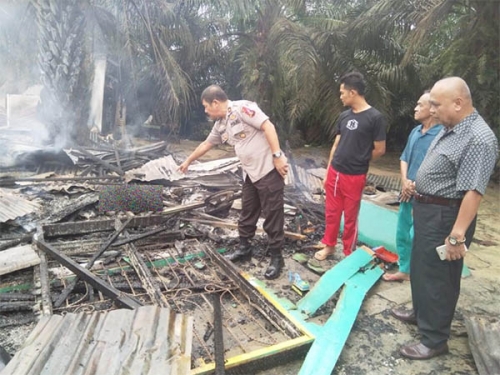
360 137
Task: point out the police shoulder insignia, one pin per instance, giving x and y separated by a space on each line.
247 111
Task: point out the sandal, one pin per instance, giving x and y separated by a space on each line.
319 267
323 254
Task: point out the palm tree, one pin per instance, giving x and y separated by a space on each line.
150 40
61 59
448 37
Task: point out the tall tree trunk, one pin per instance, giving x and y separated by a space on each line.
61 24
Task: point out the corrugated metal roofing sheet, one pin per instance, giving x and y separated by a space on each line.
13 206
384 182
306 178
166 169
17 258
149 340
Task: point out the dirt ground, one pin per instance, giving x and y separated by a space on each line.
373 345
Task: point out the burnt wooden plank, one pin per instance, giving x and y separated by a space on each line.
92 226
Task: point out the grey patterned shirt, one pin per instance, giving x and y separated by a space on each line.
459 159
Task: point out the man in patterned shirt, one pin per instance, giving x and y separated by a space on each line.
243 125
450 184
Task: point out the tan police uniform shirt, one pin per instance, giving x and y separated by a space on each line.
241 128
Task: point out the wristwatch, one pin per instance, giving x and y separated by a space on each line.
455 241
277 154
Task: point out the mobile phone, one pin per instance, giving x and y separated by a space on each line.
441 250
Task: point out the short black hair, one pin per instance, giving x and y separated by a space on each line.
354 81
212 93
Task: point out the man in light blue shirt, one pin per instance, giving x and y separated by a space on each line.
417 145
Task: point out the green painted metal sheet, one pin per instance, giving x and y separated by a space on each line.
332 280
328 345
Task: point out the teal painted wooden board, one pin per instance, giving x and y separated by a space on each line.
328 345
332 280
376 225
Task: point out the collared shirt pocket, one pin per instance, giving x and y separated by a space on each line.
238 131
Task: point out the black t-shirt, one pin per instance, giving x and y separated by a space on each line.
357 133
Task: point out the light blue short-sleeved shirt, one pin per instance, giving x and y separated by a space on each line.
416 148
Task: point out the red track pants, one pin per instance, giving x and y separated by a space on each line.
343 194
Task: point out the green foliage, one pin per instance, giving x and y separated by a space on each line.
473 54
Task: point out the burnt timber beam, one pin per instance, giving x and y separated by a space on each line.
64 229
117 156
218 336
173 234
44 284
274 316
14 242
92 226
104 163
16 306
144 273
16 296
41 279
66 292
106 289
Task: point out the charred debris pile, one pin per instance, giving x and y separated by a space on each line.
93 229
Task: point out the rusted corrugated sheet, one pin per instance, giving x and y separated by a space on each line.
149 341
13 206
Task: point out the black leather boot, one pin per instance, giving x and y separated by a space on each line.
275 267
243 251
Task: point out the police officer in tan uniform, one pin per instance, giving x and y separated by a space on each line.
242 124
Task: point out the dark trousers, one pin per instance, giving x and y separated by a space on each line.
435 284
264 196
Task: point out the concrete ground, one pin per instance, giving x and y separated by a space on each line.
373 345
